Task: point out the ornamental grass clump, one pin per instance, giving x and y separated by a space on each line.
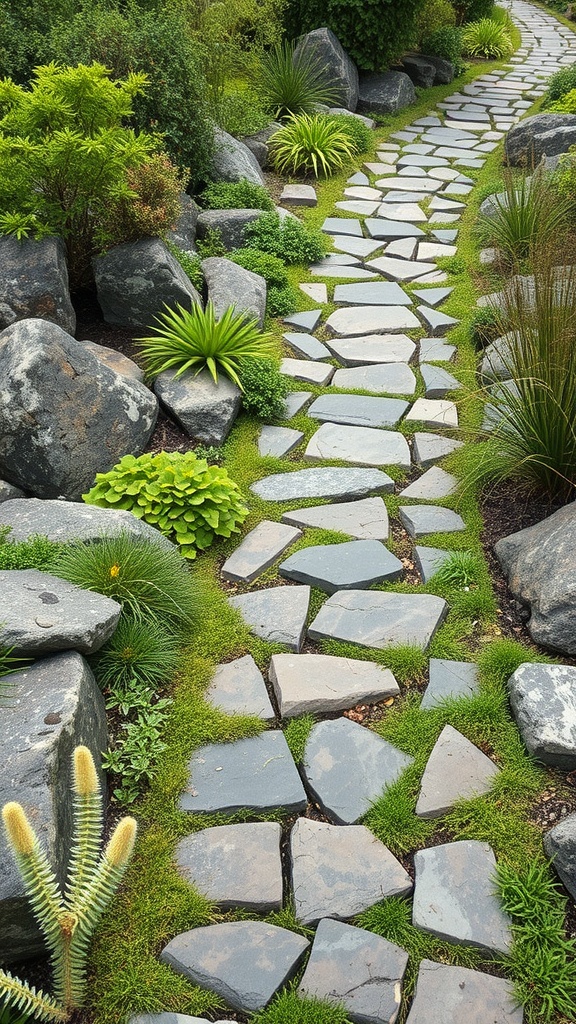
311 143
530 213
189 501
487 39
293 82
140 652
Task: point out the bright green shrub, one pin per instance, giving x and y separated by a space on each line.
189 501
280 301
265 388
472 10
34 553
310 143
566 104
445 43
293 83
288 239
561 83
435 14
236 195
23 26
360 137
486 38
241 113
211 244
143 651
271 268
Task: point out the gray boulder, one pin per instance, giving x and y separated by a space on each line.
386 93
204 410
538 136
66 521
444 69
540 564
258 149
183 234
419 69
136 280
53 706
543 700
64 416
340 71
231 285
231 224
233 161
114 360
560 845
34 282
8 492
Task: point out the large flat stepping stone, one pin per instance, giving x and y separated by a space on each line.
321 683
456 770
450 679
366 519
453 995
307 370
363 446
333 270
358 410
454 896
422 519
429 560
355 969
306 321
435 483
379 293
378 227
235 865
381 378
375 619
401 269
437 381
257 773
40 613
543 700
355 246
278 441
356 564
347 767
305 345
338 483
238 688
376 348
409 184
342 226
277 615
428 448
244 962
402 212
371 320
339 872
433 412
259 549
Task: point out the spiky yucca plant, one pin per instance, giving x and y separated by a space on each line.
67 919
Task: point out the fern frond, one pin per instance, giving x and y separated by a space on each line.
24 998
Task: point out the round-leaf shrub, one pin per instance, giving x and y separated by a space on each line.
288 239
189 501
561 83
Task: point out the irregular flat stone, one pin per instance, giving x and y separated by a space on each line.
359 178
422 519
407 184
456 770
433 318
319 683
433 296
316 292
379 167
203 409
353 565
342 226
444 235
238 688
67 521
400 269
347 767
443 173
435 483
233 960
355 969
433 413
434 277
378 227
366 519
454 896
355 246
306 321
381 293
449 679
376 619
450 995
560 846
375 348
405 248
235 865
383 378
259 549
277 615
363 446
299 195
358 410
429 560
420 160
363 192
543 700
40 613
309 372
338 483
437 381
338 259
306 346
257 773
295 401
428 448
346 270
278 441
371 320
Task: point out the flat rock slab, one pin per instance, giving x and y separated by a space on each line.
381 293
235 865
433 296
543 700
355 246
347 767
342 226
451 995
65 521
456 770
435 483
306 321
378 227
366 519
356 564
436 321
358 410
259 549
298 195
376 348
233 960
371 320
321 683
278 441
294 402
408 184
454 896
381 378
339 872
433 412
375 619
422 519
338 483
315 291
363 446
560 845
40 613
257 773
401 269
428 448
277 615
437 381
451 679
238 688
429 560
307 370
355 969
307 346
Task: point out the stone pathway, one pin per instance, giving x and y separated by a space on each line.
397 219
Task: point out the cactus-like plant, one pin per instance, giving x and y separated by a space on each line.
67 918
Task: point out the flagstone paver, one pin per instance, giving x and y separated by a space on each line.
378 378
235 865
435 483
450 995
381 293
306 345
306 321
307 371
277 615
333 482
376 619
437 381
353 565
429 560
278 441
238 688
456 770
322 683
422 519
358 410
371 320
259 549
366 519
433 412
428 448
449 679
373 348
363 446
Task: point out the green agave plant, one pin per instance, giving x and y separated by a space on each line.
293 82
193 339
311 142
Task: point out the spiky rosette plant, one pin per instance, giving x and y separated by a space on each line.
67 919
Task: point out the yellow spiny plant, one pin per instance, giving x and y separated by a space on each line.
67 918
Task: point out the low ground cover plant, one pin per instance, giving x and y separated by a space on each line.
264 388
236 195
288 239
311 143
280 295
359 134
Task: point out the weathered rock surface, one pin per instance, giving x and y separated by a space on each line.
372 618
333 482
497 359
538 136
53 706
34 282
450 995
114 360
449 679
231 285
419 69
237 687
323 683
386 93
204 410
233 161
363 446
444 69
277 615
543 699
355 564
10 493
366 519
560 844
235 865
183 234
66 521
456 770
231 224
258 550
339 70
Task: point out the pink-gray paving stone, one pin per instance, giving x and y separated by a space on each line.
372 618
258 550
355 564
456 770
366 519
235 865
323 683
237 687
451 995
378 378
449 679
358 410
422 519
278 615
363 446
338 483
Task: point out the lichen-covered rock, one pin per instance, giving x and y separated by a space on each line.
233 161
538 136
34 282
339 69
560 844
386 93
231 285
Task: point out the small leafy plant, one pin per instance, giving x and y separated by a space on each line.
35 553
288 239
561 83
185 498
193 339
265 388
280 296
486 38
445 42
136 750
310 142
293 82
191 264
236 195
